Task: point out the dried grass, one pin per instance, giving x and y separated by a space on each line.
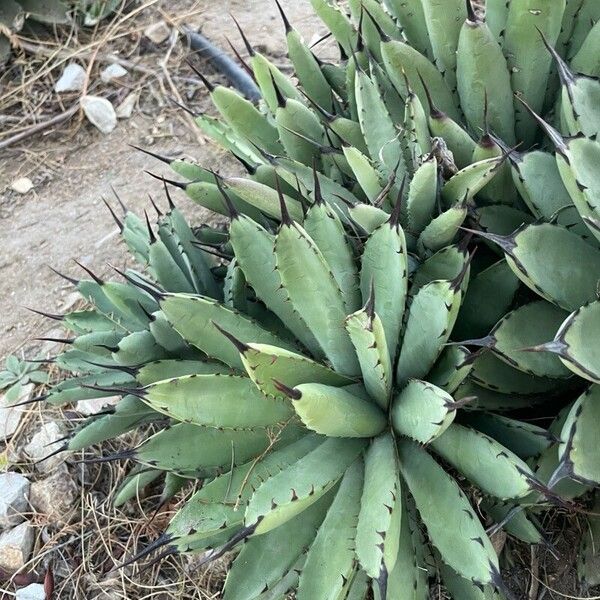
28 102
92 538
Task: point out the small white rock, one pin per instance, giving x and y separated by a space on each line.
22 185
39 446
95 405
10 417
113 71
71 80
157 32
14 499
15 547
125 109
100 113
35 591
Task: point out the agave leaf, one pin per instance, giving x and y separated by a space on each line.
524 439
442 230
216 400
330 559
307 69
246 120
336 412
451 368
496 375
586 58
462 588
379 519
401 60
12 17
447 263
288 493
528 60
444 21
514 519
368 217
266 365
219 504
300 131
337 23
408 579
578 450
306 276
524 327
494 468
137 480
467 182
538 179
326 229
169 449
431 318
484 80
439 501
53 12
130 412
384 278
487 299
412 19
368 336
194 317
265 559
422 196
555 263
377 127
254 248
138 347
571 347
422 411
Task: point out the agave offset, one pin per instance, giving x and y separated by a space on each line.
317 376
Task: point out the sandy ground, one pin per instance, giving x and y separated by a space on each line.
64 218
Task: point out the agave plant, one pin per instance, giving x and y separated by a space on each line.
310 361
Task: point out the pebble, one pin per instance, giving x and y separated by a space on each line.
99 112
15 547
42 444
157 32
53 497
71 80
113 71
125 109
10 417
35 591
22 185
13 499
95 405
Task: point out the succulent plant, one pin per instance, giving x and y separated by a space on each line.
310 362
18 373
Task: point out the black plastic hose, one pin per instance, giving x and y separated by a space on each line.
225 65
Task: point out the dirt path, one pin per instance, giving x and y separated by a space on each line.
63 218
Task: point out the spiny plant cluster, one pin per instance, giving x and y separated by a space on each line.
400 320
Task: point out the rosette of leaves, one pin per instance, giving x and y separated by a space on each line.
313 375
18 373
